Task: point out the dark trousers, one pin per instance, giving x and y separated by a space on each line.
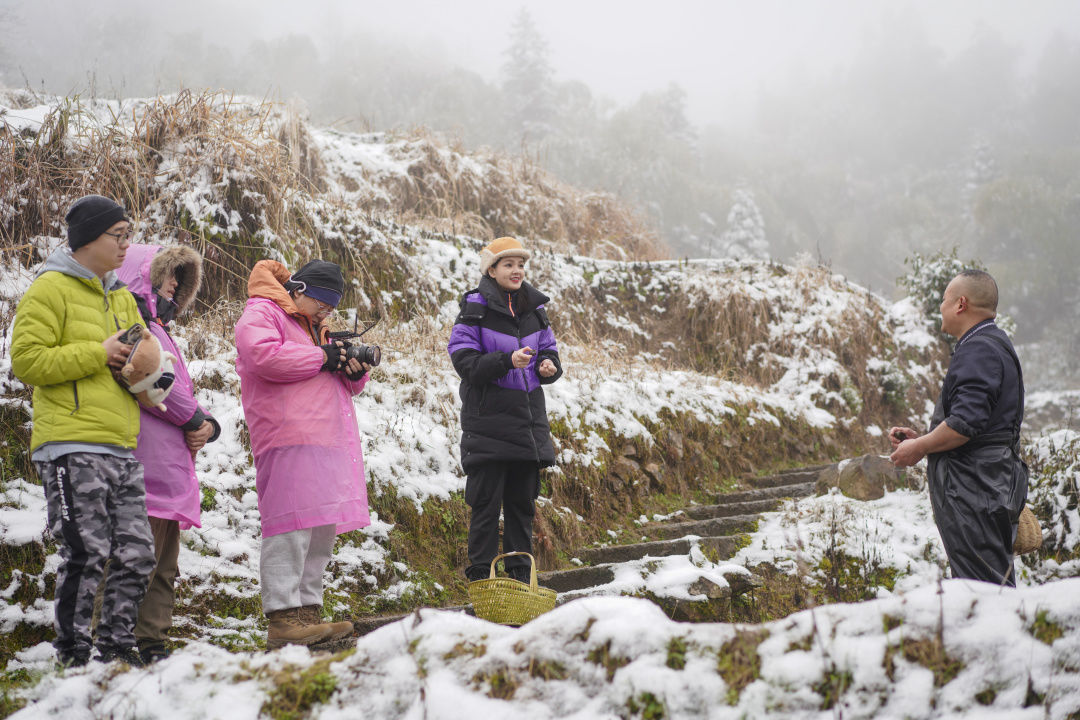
977 496
156 609
509 488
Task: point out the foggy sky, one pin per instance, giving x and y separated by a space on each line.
722 52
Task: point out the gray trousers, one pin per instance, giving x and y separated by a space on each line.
291 567
97 512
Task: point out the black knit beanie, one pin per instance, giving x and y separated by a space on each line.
91 216
319 279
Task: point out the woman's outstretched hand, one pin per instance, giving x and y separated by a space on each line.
522 357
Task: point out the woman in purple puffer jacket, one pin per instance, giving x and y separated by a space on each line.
165 282
504 350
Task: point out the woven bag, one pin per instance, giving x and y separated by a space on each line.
1028 533
507 601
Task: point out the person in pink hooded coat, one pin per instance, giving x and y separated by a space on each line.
165 282
297 388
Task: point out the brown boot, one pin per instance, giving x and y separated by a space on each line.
312 614
287 627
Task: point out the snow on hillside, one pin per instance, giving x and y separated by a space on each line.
444 665
413 446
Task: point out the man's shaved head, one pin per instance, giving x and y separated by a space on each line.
979 288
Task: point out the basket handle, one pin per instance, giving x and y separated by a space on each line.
532 566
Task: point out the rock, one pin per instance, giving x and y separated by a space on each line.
654 471
711 590
694 447
628 450
626 469
675 444
741 583
863 478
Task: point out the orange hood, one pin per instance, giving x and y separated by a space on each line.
267 280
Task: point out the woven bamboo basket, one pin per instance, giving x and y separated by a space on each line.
507 601
1028 533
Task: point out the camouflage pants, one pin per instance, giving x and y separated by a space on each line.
97 512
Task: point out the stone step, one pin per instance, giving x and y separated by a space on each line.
780 491
789 477
749 507
712 527
576 578
716 526
724 546
365 625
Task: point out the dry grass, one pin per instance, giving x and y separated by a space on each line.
730 333
256 160
512 196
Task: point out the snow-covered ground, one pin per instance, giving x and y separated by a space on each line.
599 657
954 649
569 663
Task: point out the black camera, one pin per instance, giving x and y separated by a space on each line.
370 354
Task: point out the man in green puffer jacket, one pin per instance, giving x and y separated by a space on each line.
65 340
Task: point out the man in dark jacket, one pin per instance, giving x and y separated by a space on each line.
978 483
504 350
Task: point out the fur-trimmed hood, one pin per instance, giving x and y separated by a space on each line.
147 266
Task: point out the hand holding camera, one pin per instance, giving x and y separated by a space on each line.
335 356
353 359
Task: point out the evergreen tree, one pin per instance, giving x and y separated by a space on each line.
984 166
745 234
527 84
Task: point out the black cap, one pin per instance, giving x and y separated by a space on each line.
89 217
321 280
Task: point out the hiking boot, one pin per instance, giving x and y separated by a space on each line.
153 652
71 659
287 628
129 655
312 615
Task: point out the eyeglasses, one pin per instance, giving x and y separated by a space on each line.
323 307
121 236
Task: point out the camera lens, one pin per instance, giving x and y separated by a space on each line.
370 354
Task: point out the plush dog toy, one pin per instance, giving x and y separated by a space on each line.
148 371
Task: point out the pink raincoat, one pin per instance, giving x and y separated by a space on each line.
172 489
309 467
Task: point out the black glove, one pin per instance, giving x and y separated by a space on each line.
355 376
333 356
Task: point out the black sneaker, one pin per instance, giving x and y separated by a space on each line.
152 653
476 572
521 574
129 655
